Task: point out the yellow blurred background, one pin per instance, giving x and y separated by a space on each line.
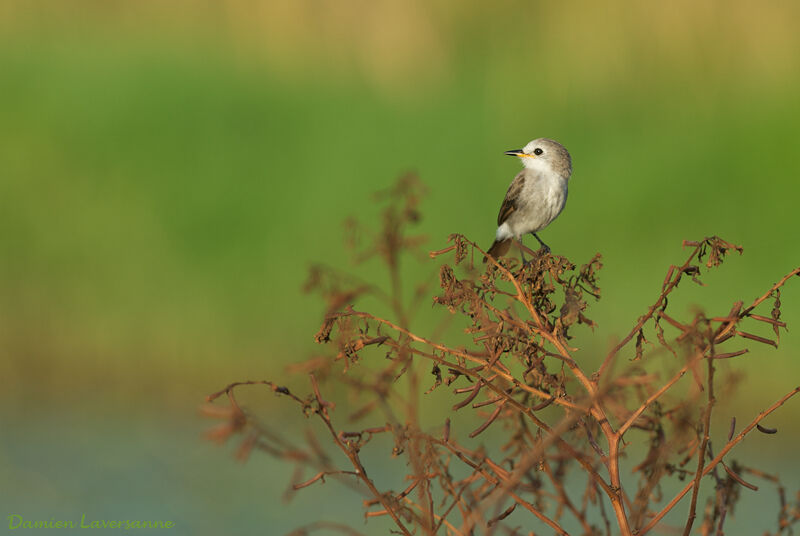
168 171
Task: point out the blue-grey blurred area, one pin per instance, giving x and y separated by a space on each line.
169 170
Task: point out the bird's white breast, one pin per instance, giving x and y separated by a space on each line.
541 200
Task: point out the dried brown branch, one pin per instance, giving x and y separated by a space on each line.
525 413
718 458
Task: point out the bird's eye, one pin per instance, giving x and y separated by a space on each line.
537 151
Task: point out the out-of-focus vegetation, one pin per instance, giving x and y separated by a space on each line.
169 170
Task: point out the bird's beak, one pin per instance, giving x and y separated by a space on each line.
518 152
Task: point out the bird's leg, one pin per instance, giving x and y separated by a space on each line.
525 261
545 247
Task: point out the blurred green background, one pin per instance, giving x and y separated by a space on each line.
168 171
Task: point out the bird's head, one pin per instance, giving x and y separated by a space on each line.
545 155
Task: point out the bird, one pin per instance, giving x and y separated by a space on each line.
536 196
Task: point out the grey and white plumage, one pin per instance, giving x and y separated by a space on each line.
537 194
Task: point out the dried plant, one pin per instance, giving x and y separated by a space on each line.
552 434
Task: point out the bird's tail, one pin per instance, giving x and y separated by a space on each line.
499 248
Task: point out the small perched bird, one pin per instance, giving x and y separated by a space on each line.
536 196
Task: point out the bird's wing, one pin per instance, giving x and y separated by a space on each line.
512 197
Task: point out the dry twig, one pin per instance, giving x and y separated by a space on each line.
515 370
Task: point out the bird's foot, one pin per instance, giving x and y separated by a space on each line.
544 247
